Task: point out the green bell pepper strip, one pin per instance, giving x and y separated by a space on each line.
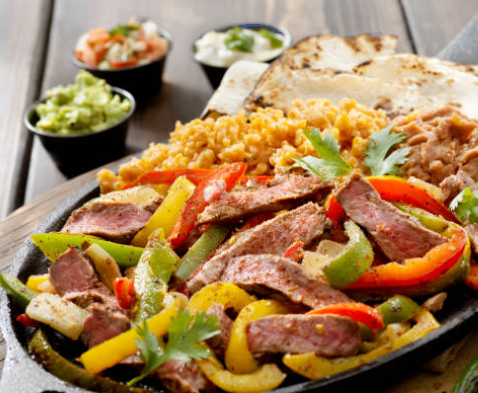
16 289
197 254
398 309
60 367
428 220
348 266
468 381
154 270
55 243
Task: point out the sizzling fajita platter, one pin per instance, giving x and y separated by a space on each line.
315 229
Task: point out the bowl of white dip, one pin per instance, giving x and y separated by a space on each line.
218 49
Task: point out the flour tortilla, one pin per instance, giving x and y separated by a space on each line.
237 83
443 82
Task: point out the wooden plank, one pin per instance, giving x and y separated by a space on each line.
186 90
22 50
434 23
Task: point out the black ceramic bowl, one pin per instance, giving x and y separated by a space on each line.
75 154
214 74
141 81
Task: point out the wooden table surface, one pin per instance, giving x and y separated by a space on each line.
37 41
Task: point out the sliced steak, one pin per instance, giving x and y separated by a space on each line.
326 335
219 342
111 220
275 236
87 298
180 376
73 272
232 206
103 323
398 235
453 184
271 273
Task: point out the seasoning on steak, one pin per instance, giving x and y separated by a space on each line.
441 142
454 184
269 274
114 221
179 376
280 194
103 323
326 335
86 298
275 236
398 235
73 272
220 341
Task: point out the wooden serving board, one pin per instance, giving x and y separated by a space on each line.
18 226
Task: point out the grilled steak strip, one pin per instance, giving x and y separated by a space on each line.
305 223
219 342
73 272
114 221
398 235
232 206
326 335
271 273
180 376
452 185
103 323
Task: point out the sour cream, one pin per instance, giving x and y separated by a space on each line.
212 50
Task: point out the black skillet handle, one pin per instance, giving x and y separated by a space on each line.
464 47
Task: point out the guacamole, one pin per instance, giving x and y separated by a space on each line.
86 106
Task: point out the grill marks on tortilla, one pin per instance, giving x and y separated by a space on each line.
275 236
398 235
282 193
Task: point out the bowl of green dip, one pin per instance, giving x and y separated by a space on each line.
82 125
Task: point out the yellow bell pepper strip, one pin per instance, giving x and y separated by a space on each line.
55 243
238 358
227 294
68 372
416 271
16 289
116 349
197 254
359 312
315 367
266 378
349 265
168 212
36 279
151 278
228 175
397 189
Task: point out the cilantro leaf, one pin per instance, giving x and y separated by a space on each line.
237 40
465 205
377 149
272 37
330 164
123 29
185 335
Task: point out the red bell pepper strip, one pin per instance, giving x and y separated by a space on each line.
472 279
25 320
229 174
359 312
415 271
124 291
396 189
195 176
295 251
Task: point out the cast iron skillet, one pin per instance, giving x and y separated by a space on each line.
21 374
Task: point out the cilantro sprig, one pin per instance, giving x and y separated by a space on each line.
465 206
378 148
124 29
330 164
185 334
